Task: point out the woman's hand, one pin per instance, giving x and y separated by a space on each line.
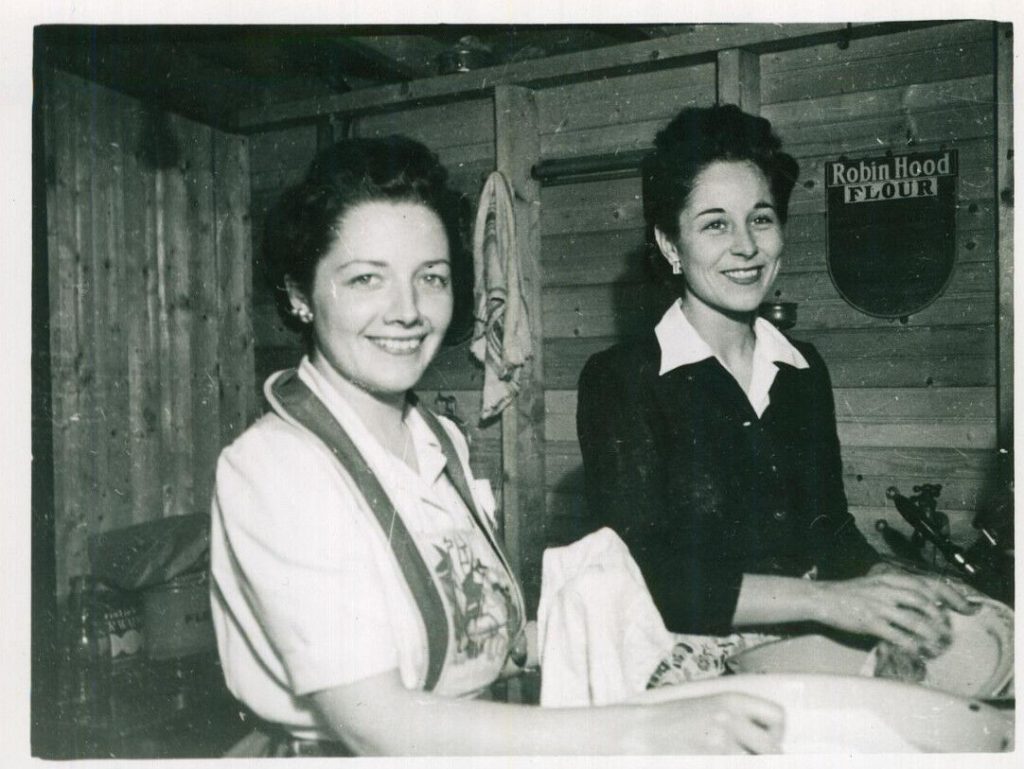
722 723
379 716
906 609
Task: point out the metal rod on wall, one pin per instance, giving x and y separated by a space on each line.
589 168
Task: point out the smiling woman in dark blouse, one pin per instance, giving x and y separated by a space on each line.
710 444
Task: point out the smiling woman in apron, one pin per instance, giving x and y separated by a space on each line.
360 597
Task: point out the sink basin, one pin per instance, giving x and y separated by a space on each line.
804 654
850 714
978 662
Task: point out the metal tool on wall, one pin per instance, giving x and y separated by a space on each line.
986 565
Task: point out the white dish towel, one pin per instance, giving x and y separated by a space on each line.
501 332
600 635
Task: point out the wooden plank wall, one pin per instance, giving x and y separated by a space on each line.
916 400
151 337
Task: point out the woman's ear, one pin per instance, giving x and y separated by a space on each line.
668 250
298 300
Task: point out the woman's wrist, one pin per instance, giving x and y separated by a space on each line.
769 600
814 602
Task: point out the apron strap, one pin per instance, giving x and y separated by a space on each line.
457 476
305 408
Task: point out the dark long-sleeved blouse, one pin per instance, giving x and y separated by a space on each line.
702 490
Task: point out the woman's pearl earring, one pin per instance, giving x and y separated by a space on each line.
677 268
304 314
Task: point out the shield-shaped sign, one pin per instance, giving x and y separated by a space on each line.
891 230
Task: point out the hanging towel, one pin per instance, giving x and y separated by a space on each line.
599 633
501 332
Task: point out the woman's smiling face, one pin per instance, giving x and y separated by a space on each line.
730 238
382 296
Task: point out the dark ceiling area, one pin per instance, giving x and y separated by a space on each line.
210 73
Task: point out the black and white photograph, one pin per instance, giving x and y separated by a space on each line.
647 386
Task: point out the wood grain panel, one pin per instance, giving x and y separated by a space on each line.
847 110
967 434
279 157
611 309
941 371
69 400
901 343
592 207
738 79
137 363
238 401
109 313
940 464
626 137
626 99
940 52
144 360
203 293
917 128
174 275
915 403
587 258
457 125
1003 177
517 150
700 40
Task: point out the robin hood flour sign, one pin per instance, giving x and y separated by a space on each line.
891 230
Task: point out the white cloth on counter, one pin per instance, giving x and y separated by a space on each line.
599 633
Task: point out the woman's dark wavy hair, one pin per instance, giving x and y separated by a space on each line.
301 227
697 137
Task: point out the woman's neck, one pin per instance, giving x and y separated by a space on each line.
729 335
382 413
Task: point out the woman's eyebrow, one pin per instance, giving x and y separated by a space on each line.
709 211
758 205
362 263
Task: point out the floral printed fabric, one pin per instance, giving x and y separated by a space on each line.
699 657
